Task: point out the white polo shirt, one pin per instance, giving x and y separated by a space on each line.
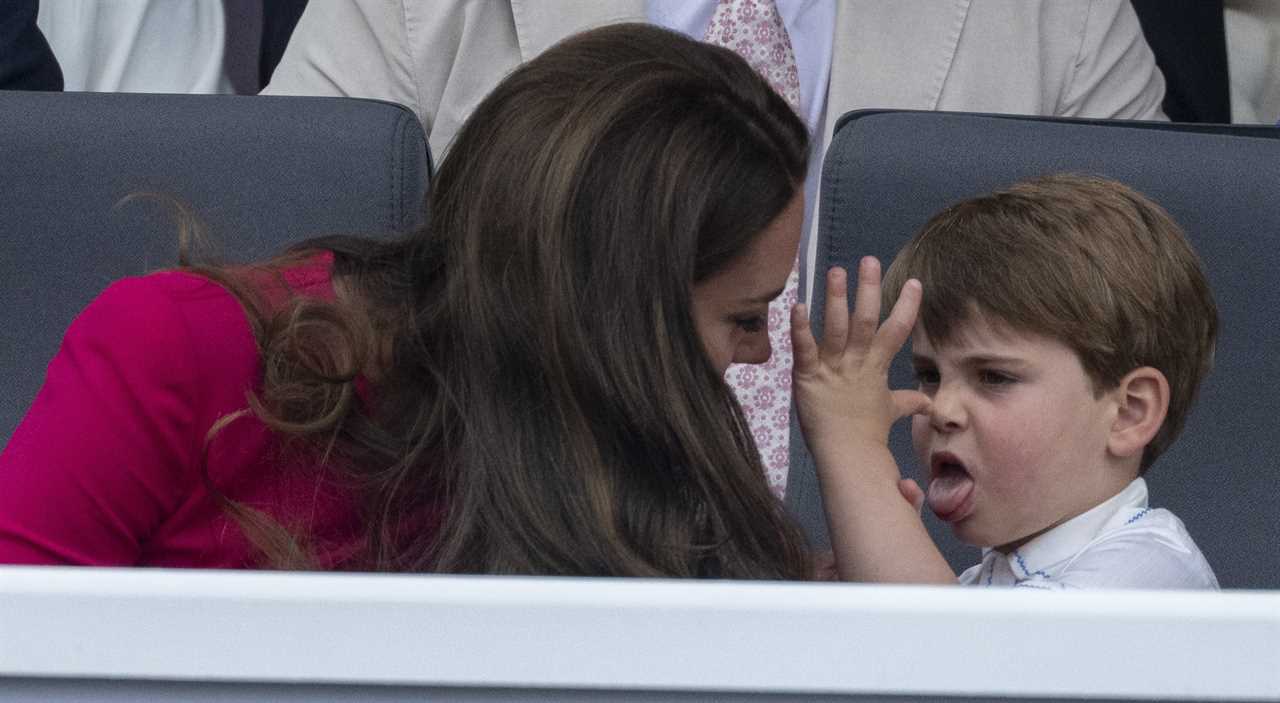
1121 543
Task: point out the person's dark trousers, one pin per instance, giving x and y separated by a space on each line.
26 61
257 33
1190 43
278 20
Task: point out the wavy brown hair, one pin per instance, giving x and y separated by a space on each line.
538 386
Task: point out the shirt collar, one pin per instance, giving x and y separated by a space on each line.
1042 554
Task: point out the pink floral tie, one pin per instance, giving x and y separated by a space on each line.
754 30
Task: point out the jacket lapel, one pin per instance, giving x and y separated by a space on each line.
892 54
541 23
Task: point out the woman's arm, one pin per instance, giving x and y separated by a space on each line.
108 449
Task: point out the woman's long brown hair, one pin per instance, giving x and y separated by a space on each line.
536 374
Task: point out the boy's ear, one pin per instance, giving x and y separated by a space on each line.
1142 399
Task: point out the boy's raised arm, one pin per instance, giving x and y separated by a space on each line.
846 409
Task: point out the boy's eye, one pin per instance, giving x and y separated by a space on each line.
995 378
928 376
750 323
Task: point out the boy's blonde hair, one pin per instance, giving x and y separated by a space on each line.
1083 260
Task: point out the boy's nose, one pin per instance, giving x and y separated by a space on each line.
946 411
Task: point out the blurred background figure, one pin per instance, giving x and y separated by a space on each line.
138 46
26 62
1220 58
144 46
1253 55
1189 41
278 20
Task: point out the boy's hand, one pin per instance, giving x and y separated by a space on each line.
824 566
841 385
846 408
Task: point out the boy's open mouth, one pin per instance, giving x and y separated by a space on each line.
950 487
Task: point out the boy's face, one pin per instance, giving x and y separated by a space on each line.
1015 441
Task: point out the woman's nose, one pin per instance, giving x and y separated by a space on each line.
755 349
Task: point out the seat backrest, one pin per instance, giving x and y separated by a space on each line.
887 172
261 173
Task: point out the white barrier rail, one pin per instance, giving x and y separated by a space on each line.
636 635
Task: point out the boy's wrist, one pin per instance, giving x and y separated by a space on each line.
839 432
855 458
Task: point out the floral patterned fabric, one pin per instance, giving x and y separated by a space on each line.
754 29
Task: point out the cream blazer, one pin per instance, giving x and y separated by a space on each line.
1084 58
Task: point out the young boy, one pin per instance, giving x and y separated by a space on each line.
1064 329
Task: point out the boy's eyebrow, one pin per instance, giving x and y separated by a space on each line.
975 360
985 359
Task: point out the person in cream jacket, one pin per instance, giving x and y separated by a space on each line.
1081 58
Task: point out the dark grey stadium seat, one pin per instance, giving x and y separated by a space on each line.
260 172
887 172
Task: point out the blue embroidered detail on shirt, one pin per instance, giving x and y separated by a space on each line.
1023 565
1137 517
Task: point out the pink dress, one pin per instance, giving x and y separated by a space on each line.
110 464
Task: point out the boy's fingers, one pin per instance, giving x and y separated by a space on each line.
824 566
835 324
803 347
909 402
896 329
911 491
866 304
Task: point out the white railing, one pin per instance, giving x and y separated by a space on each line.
637 635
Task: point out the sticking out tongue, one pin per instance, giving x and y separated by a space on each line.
950 493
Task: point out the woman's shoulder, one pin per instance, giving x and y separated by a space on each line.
156 312
308 275
163 306
184 326
174 334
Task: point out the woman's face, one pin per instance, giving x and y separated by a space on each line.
731 308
